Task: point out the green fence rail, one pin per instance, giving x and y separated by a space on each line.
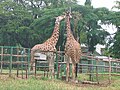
16 60
11 57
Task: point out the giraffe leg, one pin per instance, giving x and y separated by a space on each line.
32 59
67 69
33 66
73 71
51 64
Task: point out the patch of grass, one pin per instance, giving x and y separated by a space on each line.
33 83
101 77
83 77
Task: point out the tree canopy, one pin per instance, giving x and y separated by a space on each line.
29 22
114 45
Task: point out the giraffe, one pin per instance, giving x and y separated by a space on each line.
48 45
72 49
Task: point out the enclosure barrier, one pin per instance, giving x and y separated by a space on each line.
45 66
13 59
16 61
97 66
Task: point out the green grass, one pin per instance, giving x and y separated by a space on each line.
32 83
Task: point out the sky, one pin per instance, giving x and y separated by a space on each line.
100 3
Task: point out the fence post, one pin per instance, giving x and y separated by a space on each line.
109 69
17 69
22 60
17 61
97 71
57 64
1 58
29 62
10 67
90 71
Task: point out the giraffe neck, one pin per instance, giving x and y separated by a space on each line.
54 38
69 33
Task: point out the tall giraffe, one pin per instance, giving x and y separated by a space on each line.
50 44
72 49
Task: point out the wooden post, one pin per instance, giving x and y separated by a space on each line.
109 69
97 72
47 72
10 65
89 70
17 61
28 62
17 54
116 67
57 66
26 70
22 70
61 70
22 62
1 58
17 69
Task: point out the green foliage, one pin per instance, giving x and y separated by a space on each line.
26 23
13 18
117 5
114 47
88 28
88 2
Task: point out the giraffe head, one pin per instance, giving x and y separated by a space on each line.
59 18
68 13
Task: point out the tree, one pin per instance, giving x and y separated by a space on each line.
29 22
88 2
88 28
114 49
13 17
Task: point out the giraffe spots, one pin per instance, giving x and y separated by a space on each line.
43 49
72 47
50 48
37 47
53 42
50 44
55 34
